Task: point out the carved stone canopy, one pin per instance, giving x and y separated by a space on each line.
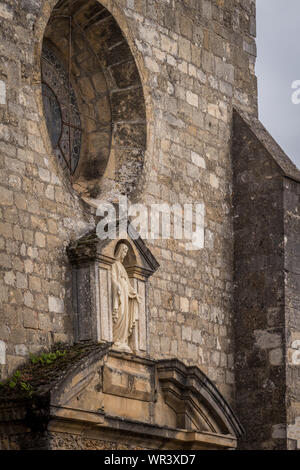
93 262
140 260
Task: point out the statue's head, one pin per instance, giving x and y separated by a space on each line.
121 252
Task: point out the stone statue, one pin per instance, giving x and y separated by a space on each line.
125 302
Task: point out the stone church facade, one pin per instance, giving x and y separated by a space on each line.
155 100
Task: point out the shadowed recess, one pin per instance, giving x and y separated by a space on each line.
102 92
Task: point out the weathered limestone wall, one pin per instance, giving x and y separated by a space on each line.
266 223
196 60
292 308
259 261
40 212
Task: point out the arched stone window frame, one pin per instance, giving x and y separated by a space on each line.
102 187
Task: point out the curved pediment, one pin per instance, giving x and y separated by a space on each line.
158 394
121 397
197 402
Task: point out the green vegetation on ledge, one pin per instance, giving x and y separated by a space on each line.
42 371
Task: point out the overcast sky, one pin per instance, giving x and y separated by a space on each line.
278 66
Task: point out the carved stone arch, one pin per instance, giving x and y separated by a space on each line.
196 401
106 78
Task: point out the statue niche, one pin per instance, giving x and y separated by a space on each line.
110 279
125 302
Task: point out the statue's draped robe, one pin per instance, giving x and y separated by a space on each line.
125 304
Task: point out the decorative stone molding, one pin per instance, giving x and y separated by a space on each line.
92 260
119 398
194 398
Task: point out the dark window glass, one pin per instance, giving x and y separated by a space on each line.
61 111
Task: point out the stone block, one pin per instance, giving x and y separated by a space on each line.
56 305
